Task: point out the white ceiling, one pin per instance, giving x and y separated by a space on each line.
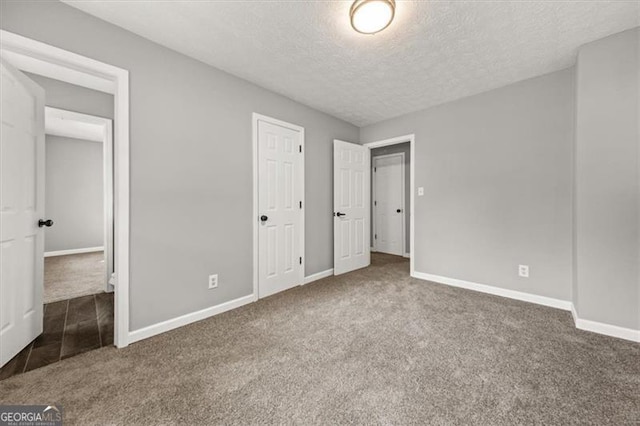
434 52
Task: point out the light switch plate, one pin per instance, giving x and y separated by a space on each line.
420 191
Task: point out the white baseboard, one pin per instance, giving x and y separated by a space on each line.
318 276
587 325
163 327
497 291
606 329
582 324
407 255
72 251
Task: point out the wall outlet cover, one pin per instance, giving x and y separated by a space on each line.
523 271
213 281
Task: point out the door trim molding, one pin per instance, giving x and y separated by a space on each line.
71 124
50 61
411 138
255 118
404 209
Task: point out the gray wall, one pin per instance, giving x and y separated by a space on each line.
496 170
69 97
607 167
190 137
73 193
393 149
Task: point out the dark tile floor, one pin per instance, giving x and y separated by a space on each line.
71 327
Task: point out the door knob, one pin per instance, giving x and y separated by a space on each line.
46 223
340 214
399 211
264 218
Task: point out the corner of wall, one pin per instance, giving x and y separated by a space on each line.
574 217
603 67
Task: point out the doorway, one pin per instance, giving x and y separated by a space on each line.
278 205
24 312
79 248
388 201
68 307
354 205
402 193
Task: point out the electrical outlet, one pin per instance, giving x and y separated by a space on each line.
213 281
420 191
523 271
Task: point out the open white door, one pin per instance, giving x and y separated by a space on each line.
351 205
281 218
21 208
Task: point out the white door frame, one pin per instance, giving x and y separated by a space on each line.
412 231
256 252
60 122
49 61
404 210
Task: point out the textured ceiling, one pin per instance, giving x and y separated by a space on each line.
434 52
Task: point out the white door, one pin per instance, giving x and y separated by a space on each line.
351 205
388 204
21 207
280 190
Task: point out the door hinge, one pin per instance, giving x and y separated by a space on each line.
375 203
301 260
375 237
375 169
300 148
300 204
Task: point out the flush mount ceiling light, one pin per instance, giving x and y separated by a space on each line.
372 16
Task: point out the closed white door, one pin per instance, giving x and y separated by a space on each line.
280 190
21 208
388 204
351 205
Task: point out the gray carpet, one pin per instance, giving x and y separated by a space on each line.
370 347
73 275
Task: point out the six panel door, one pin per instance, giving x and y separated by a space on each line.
351 205
389 204
21 207
280 189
